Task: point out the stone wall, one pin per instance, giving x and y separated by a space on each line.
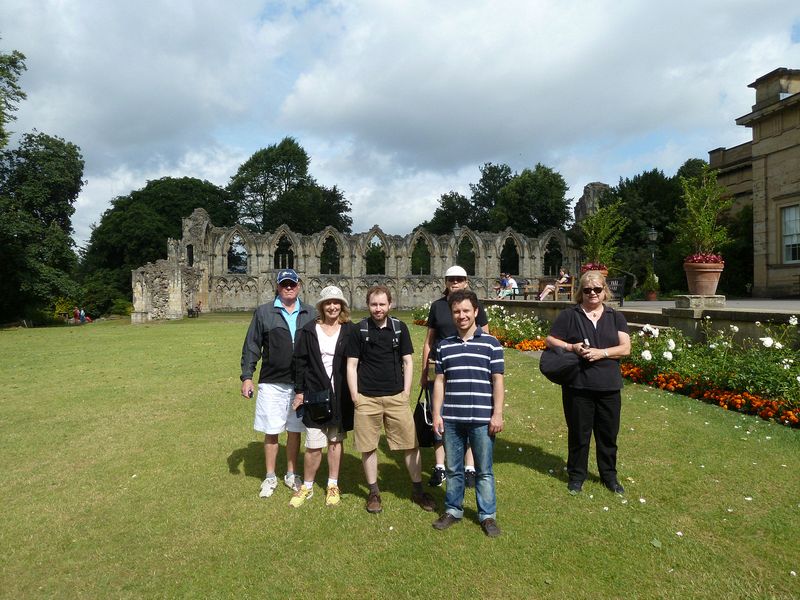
196 270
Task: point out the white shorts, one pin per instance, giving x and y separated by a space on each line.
274 412
319 438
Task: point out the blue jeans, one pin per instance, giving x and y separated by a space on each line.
456 437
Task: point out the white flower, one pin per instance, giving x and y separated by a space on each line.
778 345
793 321
767 341
712 346
667 354
671 344
758 323
798 379
734 329
655 332
648 356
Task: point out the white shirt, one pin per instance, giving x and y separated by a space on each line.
327 348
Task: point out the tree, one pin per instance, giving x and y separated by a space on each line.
454 208
486 194
309 208
134 231
39 183
532 202
11 67
266 176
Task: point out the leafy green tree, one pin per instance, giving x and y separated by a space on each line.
308 209
739 252
454 208
39 183
264 178
532 202
134 231
11 67
602 232
486 194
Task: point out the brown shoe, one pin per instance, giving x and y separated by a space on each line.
374 503
425 502
445 521
490 528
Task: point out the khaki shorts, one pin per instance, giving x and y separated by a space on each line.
319 438
394 413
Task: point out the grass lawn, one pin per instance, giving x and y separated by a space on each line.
129 468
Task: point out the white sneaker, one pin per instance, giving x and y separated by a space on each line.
293 482
268 486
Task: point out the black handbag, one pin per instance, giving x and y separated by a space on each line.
560 366
317 409
423 419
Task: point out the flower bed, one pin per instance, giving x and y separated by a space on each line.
759 377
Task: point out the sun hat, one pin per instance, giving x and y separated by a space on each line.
455 271
288 275
330 293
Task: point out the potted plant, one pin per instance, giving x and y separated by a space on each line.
699 229
650 285
602 231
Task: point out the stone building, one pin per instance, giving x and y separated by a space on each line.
765 172
233 269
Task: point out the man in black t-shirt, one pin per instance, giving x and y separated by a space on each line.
379 374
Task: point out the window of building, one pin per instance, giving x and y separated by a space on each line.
790 220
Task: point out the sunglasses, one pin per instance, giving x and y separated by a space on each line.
288 284
589 290
456 279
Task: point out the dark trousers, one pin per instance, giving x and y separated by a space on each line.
588 411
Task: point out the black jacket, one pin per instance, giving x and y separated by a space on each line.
268 338
310 375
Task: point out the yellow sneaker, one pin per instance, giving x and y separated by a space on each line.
301 496
333 497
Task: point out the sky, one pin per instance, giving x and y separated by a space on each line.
396 102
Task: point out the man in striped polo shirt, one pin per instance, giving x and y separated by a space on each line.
468 398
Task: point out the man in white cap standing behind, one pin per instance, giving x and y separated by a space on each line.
271 337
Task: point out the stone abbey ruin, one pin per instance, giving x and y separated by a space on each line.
233 269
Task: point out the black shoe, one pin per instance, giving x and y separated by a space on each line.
615 486
490 528
438 477
574 487
469 479
445 521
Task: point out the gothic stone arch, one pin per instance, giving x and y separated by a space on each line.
165 289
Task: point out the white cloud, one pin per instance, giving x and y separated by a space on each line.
396 102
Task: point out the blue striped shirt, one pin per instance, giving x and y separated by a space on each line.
468 367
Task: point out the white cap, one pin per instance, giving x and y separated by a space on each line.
455 271
331 293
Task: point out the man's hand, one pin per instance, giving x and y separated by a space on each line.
298 401
438 424
247 388
496 424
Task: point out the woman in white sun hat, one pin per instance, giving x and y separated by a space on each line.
320 365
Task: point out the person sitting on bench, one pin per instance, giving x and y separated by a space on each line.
563 279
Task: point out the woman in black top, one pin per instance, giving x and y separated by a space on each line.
440 326
592 402
320 364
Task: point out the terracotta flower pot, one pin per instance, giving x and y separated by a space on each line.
703 277
651 295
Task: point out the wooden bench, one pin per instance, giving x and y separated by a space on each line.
617 287
565 289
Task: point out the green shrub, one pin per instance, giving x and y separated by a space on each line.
121 307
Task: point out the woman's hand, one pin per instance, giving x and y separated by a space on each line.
591 354
298 401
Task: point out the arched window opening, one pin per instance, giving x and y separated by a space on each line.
466 256
329 258
190 255
284 254
237 255
553 259
421 258
509 258
375 257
